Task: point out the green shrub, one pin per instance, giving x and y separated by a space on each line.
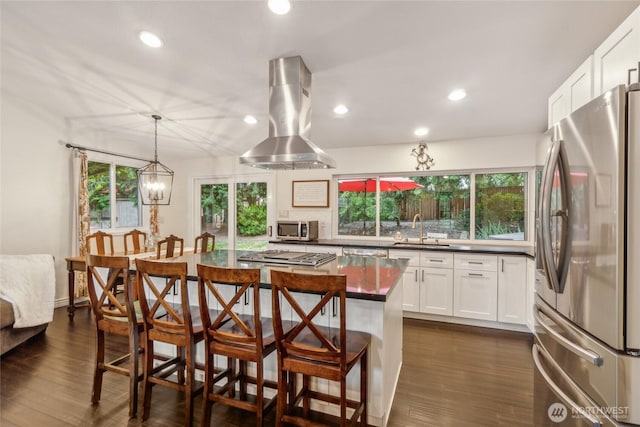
252 220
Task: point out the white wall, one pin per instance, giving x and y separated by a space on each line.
35 213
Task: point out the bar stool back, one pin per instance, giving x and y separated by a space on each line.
316 351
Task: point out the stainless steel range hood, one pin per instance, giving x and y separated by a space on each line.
288 145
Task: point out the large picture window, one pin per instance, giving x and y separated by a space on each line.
445 206
500 206
113 196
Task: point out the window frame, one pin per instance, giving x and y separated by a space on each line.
114 161
529 238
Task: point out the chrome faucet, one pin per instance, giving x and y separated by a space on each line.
417 216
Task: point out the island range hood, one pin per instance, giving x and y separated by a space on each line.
288 145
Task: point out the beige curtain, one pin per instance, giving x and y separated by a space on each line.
154 228
81 177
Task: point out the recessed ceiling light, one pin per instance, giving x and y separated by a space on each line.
279 7
341 109
421 131
457 95
150 39
250 120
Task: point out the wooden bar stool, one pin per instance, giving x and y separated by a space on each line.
244 337
135 241
201 243
171 322
114 315
168 245
316 351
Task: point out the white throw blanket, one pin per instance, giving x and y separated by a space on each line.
29 283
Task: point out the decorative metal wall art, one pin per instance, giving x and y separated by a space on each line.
425 161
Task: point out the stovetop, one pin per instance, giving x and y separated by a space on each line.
312 259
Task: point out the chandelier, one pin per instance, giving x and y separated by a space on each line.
155 179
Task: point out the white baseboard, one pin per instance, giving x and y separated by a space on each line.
469 322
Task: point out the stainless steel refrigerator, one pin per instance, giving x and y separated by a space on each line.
587 306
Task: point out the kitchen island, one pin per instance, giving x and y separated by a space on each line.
374 305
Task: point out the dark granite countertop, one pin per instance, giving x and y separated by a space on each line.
526 250
368 278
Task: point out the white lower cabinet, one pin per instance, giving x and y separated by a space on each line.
436 283
411 289
474 294
410 279
436 291
475 286
512 289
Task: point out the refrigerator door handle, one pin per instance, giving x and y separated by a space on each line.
584 353
556 273
564 213
558 391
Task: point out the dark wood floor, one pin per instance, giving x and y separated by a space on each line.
451 376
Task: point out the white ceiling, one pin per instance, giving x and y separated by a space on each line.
80 65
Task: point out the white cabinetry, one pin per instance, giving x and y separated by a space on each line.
617 54
608 67
475 286
410 279
512 289
576 91
436 285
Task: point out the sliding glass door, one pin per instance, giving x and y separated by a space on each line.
235 209
214 212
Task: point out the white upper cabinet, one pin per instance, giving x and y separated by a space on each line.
608 67
557 106
576 91
619 53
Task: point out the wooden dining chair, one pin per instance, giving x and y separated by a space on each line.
99 243
247 338
205 242
316 351
167 247
114 315
135 242
172 322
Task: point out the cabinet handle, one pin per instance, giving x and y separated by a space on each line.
238 300
475 262
246 297
323 309
416 274
475 274
502 266
436 260
334 307
423 275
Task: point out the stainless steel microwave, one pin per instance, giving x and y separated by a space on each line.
297 230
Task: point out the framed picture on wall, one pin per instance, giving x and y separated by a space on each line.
310 194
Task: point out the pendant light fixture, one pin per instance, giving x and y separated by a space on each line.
155 179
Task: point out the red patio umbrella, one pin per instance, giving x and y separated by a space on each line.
386 184
368 185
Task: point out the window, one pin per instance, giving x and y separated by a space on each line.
113 195
500 206
442 203
383 206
